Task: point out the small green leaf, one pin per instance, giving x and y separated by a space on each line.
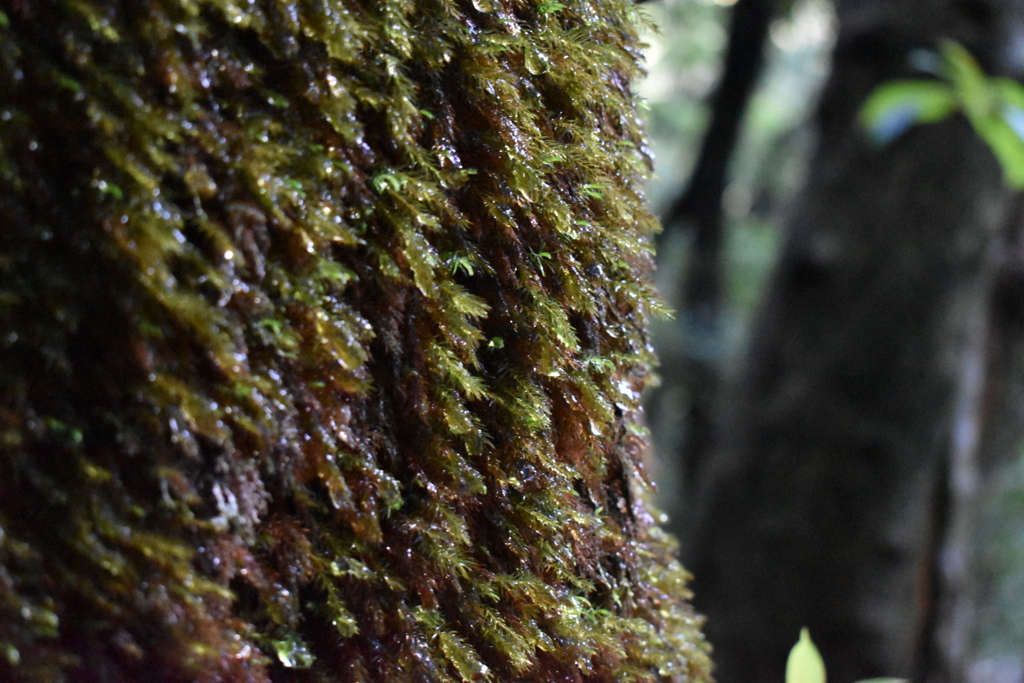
805 664
1004 141
895 107
1009 91
971 85
1014 118
68 82
276 99
272 325
550 7
384 181
461 263
110 189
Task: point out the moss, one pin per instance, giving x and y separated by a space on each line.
323 338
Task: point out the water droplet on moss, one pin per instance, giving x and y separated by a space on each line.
536 62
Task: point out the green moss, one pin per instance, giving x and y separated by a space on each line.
323 344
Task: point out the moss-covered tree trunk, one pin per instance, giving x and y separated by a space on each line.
321 340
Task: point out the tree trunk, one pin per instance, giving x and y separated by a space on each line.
322 345
818 509
983 451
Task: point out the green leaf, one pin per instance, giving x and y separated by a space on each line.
550 7
383 181
1013 116
896 106
805 664
1002 138
971 85
1010 94
1008 91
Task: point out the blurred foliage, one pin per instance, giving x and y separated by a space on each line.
994 106
766 172
682 73
773 148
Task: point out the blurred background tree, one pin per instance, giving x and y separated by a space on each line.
765 170
866 451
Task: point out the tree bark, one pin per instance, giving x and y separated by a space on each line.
322 343
981 450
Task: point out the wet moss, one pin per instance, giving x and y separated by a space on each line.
322 344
